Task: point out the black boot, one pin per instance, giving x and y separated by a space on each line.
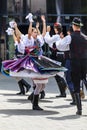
62 86
30 97
28 86
78 103
42 94
73 98
35 103
22 90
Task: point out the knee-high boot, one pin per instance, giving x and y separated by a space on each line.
35 103
22 90
42 94
62 86
78 103
30 97
73 98
27 85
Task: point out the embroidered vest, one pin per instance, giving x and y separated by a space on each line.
37 51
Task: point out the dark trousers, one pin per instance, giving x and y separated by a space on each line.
68 75
79 69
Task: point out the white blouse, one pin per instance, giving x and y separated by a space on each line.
63 44
20 46
50 40
30 42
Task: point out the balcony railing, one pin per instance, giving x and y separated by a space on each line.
51 18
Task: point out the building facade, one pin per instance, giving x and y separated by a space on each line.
55 10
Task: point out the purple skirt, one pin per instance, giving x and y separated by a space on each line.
42 65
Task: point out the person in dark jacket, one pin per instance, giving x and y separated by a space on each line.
77 44
69 71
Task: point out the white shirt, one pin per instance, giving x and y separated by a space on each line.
30 42
20 46
50 40
27 42
63 44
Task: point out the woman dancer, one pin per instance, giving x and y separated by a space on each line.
34 65
19 53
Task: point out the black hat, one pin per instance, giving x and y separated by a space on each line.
77 21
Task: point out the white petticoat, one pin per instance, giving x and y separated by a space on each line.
37 77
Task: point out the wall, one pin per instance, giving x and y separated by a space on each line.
38 4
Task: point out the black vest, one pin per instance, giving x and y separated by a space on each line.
78 46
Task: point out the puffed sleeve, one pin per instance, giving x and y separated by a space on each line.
63 44
50 40
41 39
21 47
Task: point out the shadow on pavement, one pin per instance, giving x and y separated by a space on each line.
26 101
12 94
18 100
8 94
45 101
83 100
60 106
68 117
12 112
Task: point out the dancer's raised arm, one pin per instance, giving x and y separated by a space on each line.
44 25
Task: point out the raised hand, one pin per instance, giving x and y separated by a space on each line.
48 28
37 25
29 17
12 24
43 18
10 31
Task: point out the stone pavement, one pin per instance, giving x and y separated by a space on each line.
16 111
